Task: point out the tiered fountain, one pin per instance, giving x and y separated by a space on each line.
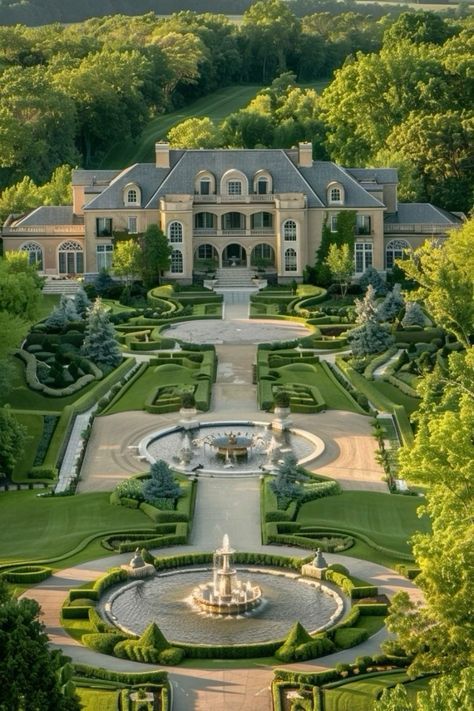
226 594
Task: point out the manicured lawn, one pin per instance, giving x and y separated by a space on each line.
395 395
335 397
359 695
388 520
98 699
35 528
135 396
22 398
46 305
34 424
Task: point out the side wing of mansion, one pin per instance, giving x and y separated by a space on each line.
238 208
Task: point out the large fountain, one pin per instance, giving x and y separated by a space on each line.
229 447
226 594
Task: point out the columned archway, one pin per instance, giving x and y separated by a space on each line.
206 257
263 255
234 255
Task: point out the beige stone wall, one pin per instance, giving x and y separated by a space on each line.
49 245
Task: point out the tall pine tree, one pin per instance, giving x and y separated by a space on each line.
100 342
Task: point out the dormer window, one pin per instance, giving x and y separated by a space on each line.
132 195
204 183
262 183
205 186
234 187
335 194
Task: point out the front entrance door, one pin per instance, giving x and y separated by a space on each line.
234 255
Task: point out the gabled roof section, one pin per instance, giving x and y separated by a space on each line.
146 175
286 177
419 213
324 172
47 215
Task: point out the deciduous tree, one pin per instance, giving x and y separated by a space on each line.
341 265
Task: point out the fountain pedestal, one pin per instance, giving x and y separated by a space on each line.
282 419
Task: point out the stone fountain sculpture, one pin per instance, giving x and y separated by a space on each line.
226 594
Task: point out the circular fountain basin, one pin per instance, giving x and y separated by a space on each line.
211 451
167 599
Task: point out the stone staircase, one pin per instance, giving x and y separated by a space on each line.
234 278
60 286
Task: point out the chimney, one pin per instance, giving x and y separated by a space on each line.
305 155
162 154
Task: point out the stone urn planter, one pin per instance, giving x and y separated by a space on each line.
282 411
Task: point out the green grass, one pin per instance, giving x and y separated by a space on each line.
34 425
359 695
216 105
36 528
371 623
97 699
134 397
46 305
395 395
386 519
22 398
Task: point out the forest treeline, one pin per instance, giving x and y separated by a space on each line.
402 96
41 12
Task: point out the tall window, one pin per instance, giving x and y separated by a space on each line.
363 225
363 256
262 186
233 221
204 220
261 220
206 251
290 260
175 232
35 254
333 223
176 261
234 187
70 258
132 225
395 250
132 196
289 231
205 186
103 227
104 254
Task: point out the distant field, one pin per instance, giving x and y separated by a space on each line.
217 106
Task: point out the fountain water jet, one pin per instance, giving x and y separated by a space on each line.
225 594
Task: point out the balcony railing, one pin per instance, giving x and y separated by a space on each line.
44 229
234 198
236 231
392 228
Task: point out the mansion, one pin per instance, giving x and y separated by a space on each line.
227 208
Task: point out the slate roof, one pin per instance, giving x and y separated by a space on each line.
324 172
286 177
378 175
48 215
89 177
422 213
146 175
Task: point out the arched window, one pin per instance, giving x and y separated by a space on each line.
35 254
206 251
234 183
175 232
290 260
335 194
176 261
132 194
289 231
70 258
395 249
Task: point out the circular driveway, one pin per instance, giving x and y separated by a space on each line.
236 331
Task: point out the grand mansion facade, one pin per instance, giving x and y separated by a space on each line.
227 207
